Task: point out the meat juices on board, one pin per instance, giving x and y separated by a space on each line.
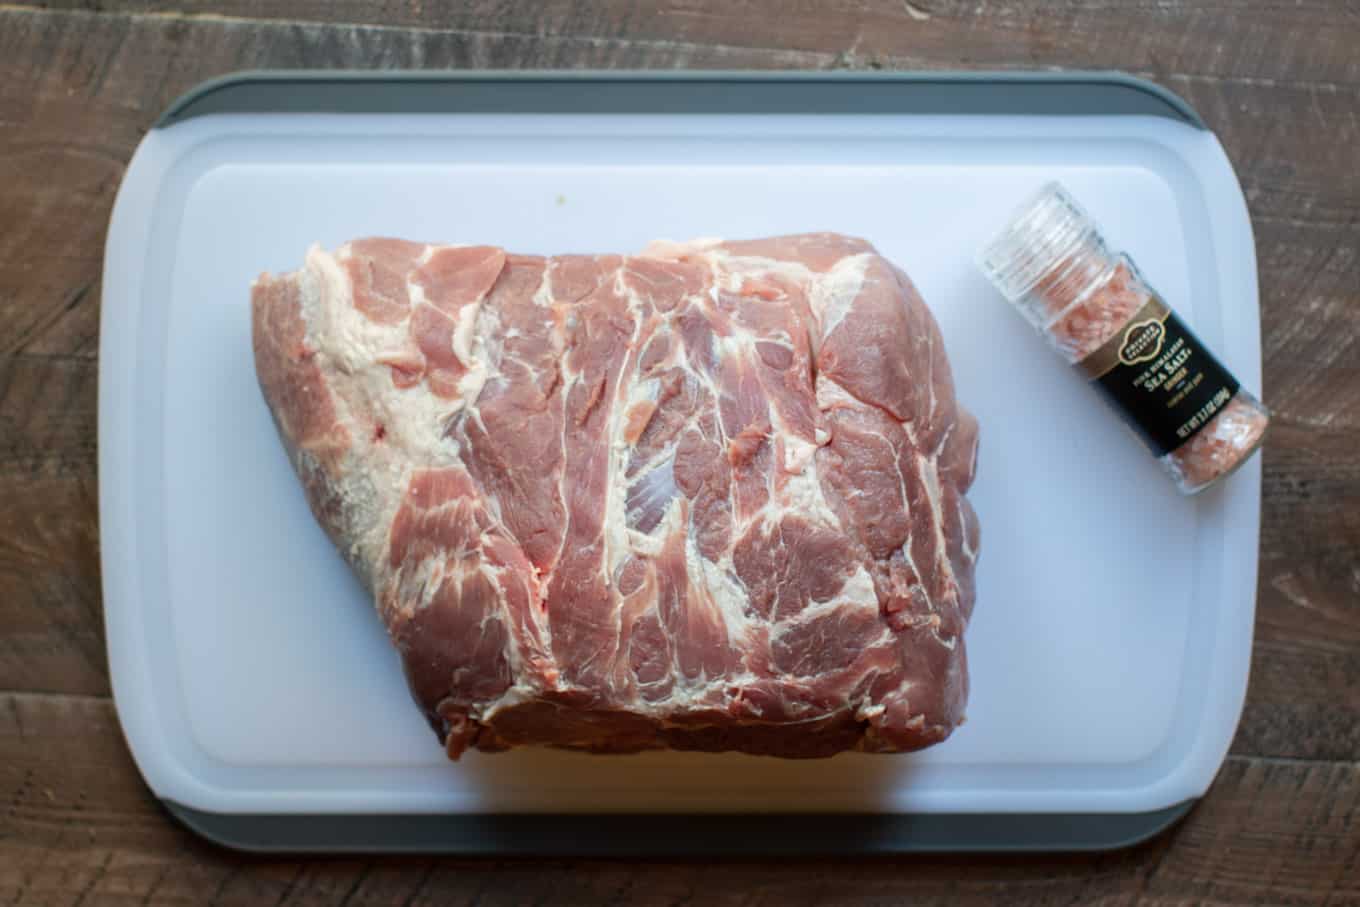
1051 262
708 497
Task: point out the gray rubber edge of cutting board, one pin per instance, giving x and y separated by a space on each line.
679 835
671 92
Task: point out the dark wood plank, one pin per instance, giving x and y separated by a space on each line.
1256 40
78 821
1308 603
51 625
54 206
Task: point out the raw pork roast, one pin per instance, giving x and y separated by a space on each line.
710 497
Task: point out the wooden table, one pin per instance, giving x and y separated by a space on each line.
81 81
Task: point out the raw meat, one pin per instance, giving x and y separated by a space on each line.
710 497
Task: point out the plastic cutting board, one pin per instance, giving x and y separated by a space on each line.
1110 644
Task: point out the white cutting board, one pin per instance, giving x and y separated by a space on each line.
1110 645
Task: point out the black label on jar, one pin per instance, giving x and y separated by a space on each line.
1160 379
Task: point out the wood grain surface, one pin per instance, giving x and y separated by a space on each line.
80 82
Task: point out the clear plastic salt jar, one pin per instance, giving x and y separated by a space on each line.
1099 313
